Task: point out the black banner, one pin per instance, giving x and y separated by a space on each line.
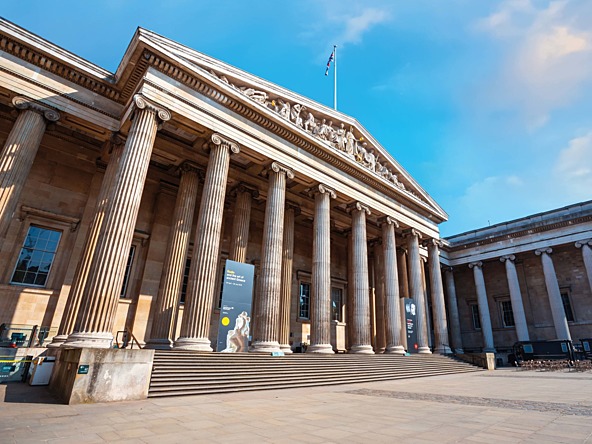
411 325
235 312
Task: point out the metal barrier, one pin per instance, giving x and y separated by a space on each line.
22 335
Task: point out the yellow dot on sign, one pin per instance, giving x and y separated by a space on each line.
225 321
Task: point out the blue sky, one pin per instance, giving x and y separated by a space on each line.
488 104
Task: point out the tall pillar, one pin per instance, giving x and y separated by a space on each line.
484 316
402 273
267 303
239 241
19 153
286 291
516 298
68 321
379 322
455 335
361 289
416 290
320 314
586 246
557 310
437 289
94 322
203 284
171 281
392 309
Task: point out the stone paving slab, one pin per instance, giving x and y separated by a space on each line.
501 406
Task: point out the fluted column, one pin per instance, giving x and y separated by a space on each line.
239 241
557 310
392 310
378 260
265 334
320 314
286 290
171 280
516 298
586 246
437 289
19 153
416 288
202 286
361 341
68 321
402 273
94 322
484 316
455 335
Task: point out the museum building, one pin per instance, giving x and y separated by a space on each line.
122 196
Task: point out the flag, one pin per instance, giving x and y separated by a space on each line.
331 58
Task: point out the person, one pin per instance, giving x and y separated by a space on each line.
237 338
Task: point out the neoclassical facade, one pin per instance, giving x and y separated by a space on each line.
525 280
123 194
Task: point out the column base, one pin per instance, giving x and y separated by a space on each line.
443 350
395 350
265 347
159 344
424 350
320 348
89 340
361 350
286 349
193 344
57 341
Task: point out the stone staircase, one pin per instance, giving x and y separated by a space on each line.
186 373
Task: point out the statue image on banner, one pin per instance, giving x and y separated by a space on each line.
237 339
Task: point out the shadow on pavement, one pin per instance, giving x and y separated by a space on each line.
19 392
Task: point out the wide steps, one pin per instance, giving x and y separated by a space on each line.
178 373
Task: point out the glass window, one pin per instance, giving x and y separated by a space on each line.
507 313
304 310
128 271
475 316
567 306
336 304
185 280
36 257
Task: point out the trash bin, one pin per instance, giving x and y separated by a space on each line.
40 370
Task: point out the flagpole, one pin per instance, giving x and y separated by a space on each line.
335 78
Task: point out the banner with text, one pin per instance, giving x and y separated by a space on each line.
411 325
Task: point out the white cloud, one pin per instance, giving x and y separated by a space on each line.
573 170
357 25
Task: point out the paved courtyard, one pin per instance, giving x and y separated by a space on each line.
487 407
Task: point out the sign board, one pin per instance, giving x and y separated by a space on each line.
411 325
83 369
234 329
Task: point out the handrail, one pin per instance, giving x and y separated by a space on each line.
125 340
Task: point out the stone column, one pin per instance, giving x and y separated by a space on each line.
361 289
557 310
68 321
484 316
455 335
19 153
392 309
586 246
437 289
203 282
516 298
171 280
265 334
416 290
94 322
320 313
402 273
239 241
378 259
286 291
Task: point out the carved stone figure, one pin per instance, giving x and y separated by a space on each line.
360 152
350 142
296 114
330 132
310 124
370 160
340 138
323 131
257 96
284 109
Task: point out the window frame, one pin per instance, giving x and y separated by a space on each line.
300 284
475 319
565 294
341 310
502 312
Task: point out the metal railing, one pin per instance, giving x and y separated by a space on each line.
125 338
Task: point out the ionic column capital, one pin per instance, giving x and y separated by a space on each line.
581 243
190 167
25 103
388 220
141 102
432 242
358 206
277 167
323 189
477 264
412 232
447 268
218 139
507 257
294 207
540 251
246 188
